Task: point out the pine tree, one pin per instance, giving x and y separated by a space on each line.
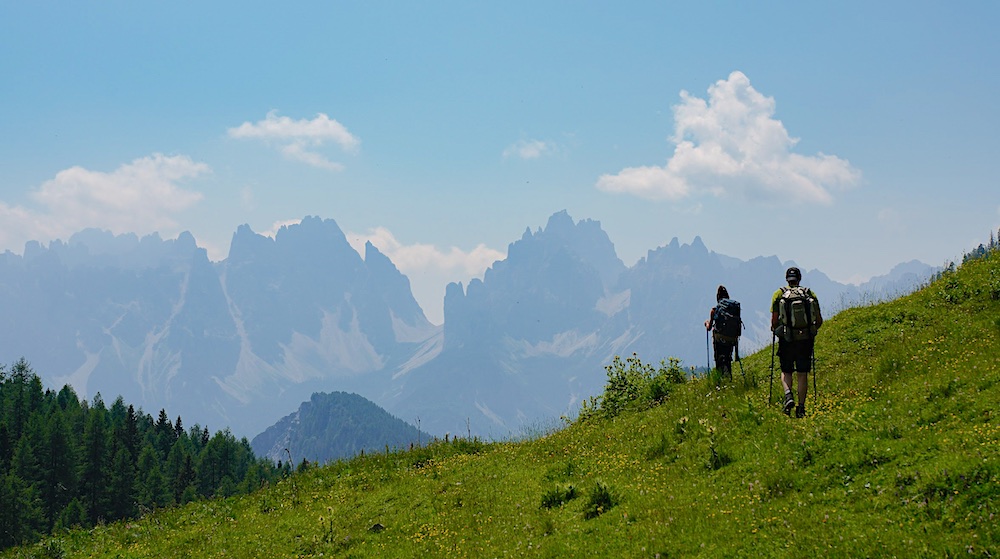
61 468
122 498
152 492
20 511
93 476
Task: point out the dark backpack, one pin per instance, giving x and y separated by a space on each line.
728 325
797 313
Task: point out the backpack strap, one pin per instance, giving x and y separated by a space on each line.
809 320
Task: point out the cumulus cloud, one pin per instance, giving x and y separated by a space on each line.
141 197
422 257
428 267
529 149
731 145
298 140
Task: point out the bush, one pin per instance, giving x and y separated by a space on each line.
600 501
557 496
633 384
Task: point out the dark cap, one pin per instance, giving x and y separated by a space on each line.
793 274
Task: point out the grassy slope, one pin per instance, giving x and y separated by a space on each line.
899 457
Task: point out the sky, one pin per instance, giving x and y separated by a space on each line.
846 136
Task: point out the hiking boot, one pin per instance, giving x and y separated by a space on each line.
800 412
789 404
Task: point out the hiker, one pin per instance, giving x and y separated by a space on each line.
795 319
724 322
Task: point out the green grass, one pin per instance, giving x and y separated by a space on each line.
898 457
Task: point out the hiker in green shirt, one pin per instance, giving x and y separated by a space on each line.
795 319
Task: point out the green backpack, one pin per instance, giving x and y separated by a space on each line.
797 313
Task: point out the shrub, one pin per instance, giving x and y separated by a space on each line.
600 501
557 496
633 384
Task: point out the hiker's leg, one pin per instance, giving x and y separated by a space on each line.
725 358
787 363
803 387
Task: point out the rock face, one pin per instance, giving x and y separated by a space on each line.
241 342
236 343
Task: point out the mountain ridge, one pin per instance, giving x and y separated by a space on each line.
242 341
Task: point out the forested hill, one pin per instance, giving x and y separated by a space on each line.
67 462
335 426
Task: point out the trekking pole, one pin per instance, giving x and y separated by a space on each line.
740 361
815 390
708 358
770 387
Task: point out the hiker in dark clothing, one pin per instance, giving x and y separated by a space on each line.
722 343
795 319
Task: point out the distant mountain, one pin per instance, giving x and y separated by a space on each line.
243 341
529 342
236 343
334 426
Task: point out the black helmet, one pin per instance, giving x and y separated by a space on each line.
793 274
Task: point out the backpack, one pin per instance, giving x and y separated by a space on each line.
727 320
797 312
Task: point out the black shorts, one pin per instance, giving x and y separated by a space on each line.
795 356
723 351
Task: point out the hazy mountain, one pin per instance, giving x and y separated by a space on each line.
333 426
239 343
243 341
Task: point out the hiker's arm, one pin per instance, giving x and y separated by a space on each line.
711 317
774 320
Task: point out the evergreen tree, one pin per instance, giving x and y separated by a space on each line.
61 468
6 447
164 434
74 515
93 476
152 492
122 498
20 511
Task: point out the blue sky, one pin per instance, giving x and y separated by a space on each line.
847 136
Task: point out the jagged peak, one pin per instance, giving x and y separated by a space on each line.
698 245
559 221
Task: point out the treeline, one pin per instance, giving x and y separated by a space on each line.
983 250
65 462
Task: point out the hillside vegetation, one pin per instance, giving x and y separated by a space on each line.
898 456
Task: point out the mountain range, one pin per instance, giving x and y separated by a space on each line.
244 341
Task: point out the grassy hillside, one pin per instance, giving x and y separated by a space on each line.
897 457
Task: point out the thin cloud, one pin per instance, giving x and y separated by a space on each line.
140 197
529 149
429 268
419 258
277 225
731 145
295 137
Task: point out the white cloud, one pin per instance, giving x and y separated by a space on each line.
294 137
140 197
731 145
529 149
297 152
277 225
429 268
421 257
